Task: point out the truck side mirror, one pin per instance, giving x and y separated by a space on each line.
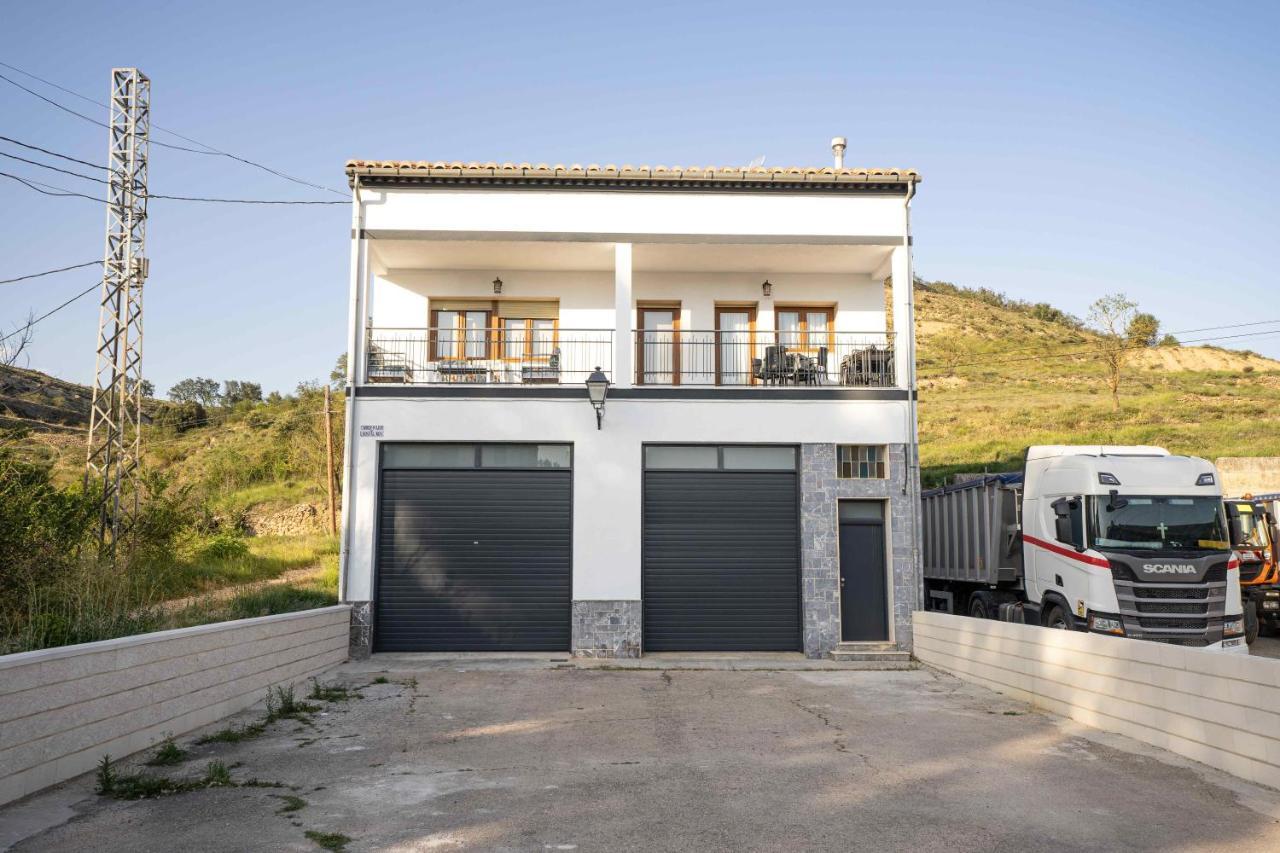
1068 527
1235 531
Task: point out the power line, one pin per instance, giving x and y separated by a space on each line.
53 153
211 150
48 272
53 311
53 168
240 200
50 189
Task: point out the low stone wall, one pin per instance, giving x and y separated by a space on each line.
1219 709
62 709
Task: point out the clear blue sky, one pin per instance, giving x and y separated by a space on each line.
1068 151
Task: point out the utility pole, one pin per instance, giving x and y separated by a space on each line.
115 420
328 459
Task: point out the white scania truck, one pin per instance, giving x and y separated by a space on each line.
1128 541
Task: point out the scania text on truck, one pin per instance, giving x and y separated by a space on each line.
1127 541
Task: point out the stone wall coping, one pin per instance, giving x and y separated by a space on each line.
59 652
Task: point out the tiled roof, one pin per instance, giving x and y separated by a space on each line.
515 172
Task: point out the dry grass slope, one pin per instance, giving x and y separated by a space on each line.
995 380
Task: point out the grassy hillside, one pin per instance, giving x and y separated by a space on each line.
995 379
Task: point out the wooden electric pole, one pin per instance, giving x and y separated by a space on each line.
328 459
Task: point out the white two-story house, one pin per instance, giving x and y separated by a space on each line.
749 483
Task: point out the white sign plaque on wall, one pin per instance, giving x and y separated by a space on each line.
371 430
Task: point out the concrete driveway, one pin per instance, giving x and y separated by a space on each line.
1267 647
537 755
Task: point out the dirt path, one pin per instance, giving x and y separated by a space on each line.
227 592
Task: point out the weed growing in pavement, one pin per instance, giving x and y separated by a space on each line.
331 692
283 704
167 755
334 841
106 776
137 786
216 775
381 679
291 803
233 734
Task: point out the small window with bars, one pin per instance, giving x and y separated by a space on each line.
860 462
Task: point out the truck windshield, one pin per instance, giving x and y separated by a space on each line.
1157 523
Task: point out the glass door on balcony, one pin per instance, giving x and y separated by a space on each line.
658 361
461 334
735 329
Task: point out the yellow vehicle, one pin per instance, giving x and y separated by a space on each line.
1254 534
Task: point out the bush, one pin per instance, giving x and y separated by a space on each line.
224 546
180 417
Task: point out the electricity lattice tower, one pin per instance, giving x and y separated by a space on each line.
115 419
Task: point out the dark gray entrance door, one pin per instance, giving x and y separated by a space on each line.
721 551
474 554
864 599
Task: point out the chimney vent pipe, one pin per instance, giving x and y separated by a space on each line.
838 144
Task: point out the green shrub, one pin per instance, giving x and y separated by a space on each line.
224 546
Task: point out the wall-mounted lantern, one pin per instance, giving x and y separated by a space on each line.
767 289
497 285
597 390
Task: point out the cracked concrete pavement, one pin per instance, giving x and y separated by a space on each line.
488 755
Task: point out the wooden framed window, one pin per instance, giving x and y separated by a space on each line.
459 334
658 344
804 328
861 462
528 339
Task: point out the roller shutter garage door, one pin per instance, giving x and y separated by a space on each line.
474 548
721 559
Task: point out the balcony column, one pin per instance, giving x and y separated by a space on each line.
623 372
904 337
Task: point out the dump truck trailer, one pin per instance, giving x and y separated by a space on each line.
1126 541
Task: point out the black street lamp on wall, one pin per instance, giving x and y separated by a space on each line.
597 390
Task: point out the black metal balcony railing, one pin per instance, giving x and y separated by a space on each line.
683 357
423 356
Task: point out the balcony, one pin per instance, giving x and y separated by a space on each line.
763 359
540 357
487 356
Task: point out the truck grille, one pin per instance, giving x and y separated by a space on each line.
1198 608
1179 613
1148 592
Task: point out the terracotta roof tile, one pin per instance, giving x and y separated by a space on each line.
517 171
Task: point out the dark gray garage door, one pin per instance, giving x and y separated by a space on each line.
474 548
721 561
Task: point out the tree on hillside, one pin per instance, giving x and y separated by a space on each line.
1119 330
239 391
338 376
1169 341
147 387
16 342
1143 330
196 390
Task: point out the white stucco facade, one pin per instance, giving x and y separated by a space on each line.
597 256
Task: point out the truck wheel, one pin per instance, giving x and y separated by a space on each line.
1058 619
1251 622
980 606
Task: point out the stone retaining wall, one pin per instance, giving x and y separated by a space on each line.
62 709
